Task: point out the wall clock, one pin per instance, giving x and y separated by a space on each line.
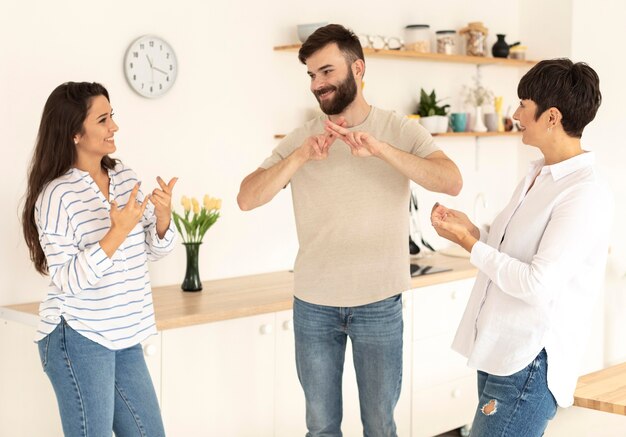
150 66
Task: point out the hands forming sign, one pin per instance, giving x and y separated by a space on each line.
361 143
317 146
162 199
453 225
127 218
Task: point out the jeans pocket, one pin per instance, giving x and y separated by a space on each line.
43 345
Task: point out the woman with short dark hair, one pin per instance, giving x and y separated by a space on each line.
88 225
541 264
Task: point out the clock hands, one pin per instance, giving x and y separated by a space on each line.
152 67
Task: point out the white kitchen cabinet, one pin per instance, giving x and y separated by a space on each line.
289 410
152 355
444 393
218 378
28 405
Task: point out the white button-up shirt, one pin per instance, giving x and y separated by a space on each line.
541 268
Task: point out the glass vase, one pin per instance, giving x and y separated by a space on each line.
192 274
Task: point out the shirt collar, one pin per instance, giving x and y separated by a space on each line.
564 168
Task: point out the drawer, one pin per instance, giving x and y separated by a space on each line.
444 407
435 363
438 309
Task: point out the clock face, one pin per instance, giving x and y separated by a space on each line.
150 66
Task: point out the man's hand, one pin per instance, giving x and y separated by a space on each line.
316 148
361 143
454 226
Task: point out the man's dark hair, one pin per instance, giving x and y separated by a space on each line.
345 39
572 88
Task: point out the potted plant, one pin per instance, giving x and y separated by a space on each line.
432 115
192 225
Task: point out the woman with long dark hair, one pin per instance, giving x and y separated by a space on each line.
92 230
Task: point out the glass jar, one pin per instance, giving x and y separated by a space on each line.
476 39
446 41
417 38
518 52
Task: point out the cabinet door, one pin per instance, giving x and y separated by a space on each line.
290 410
352 426
152 355
444 388
444 407
218 378
28 405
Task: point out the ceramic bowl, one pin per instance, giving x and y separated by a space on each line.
305 30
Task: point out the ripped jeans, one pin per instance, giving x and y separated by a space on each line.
517 405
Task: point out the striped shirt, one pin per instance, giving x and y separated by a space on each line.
107 300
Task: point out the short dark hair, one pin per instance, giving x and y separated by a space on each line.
572 88
345 39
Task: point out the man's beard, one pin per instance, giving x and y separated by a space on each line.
345 93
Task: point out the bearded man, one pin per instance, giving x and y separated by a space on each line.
349 172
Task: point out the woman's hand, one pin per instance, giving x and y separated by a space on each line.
124 220
162 201
454 226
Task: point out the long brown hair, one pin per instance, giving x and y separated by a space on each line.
55 152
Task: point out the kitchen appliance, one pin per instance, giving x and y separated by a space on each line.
423 269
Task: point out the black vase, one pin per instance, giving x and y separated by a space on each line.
192 274
500 49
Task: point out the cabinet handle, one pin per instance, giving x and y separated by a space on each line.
288 325
266 329
149 350
456 393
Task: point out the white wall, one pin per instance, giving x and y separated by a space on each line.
217 123
594 25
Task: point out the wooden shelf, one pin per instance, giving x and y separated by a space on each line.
457 134
478 134
437 57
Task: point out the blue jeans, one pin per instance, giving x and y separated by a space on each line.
518 405
100 390
376 333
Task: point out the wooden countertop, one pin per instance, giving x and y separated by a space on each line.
604 390
230 298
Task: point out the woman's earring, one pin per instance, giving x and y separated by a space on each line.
75 141
550 130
